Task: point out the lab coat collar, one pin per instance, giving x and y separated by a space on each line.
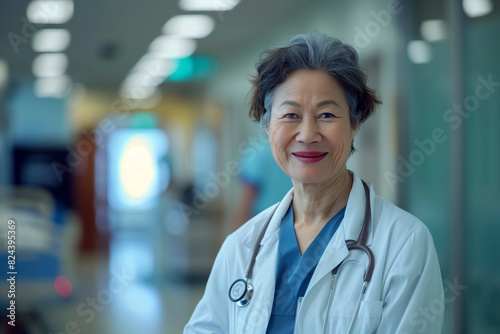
355 211
272 232
349 228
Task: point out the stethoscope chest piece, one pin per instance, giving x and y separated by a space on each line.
241 292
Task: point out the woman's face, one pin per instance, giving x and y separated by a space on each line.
310 130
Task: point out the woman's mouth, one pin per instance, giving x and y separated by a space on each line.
309 157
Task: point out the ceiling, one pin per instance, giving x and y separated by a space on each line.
109 36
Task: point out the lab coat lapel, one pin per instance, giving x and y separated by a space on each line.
264 279
336 250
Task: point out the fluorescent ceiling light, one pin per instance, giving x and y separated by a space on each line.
50 64
57 87
141 79
476 8
51 40
50 11
172 47
189 26
208 5
433 30
155 66
419 52
4 73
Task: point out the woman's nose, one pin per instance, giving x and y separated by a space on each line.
308 132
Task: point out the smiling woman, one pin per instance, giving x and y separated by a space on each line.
310 129
307 258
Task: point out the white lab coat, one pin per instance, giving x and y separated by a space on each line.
405 294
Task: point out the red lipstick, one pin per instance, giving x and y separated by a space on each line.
309 157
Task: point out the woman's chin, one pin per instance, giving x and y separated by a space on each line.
309 177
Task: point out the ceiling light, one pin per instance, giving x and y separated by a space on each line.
138 79
50 64
57 87
433 30
208 5
189 26
155 66
419 52
4 73
50 11
476 8
172 47
51 40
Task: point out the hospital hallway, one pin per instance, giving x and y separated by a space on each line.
145 281
127 154
161 307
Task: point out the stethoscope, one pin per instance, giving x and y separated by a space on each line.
241 291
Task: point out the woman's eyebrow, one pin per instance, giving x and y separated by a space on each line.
289 103
328 102
321 104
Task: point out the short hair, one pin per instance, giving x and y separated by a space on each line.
313 51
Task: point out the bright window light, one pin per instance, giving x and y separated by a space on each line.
172 47
50 11
208 5
57 87
189 26
51 40
419 52
433 30
476 8
137 168
134 167
50 65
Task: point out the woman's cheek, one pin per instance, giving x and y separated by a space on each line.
277 146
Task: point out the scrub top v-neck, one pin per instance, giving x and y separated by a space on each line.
294 270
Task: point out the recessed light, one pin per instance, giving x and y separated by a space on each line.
476 8
50 11
433 30
189 26
50 64
419 52
172 47
51 40
208 5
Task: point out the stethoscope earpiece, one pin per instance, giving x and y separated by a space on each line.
241 292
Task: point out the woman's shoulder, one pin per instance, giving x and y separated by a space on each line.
253 226
390 217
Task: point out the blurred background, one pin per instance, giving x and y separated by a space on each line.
127 154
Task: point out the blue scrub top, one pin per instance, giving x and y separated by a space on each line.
294 270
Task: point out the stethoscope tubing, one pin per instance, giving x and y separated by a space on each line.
359 244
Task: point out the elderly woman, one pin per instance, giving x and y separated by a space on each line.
331 257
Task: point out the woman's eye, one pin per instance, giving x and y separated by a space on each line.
327 115
291 116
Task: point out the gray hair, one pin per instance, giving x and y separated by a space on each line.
313 51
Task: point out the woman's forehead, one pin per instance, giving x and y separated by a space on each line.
310 84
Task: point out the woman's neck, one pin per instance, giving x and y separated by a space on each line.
316 204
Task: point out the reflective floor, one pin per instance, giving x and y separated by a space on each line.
148 281
115 302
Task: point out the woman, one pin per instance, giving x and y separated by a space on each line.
311 97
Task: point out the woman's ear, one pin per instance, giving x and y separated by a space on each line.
354 126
